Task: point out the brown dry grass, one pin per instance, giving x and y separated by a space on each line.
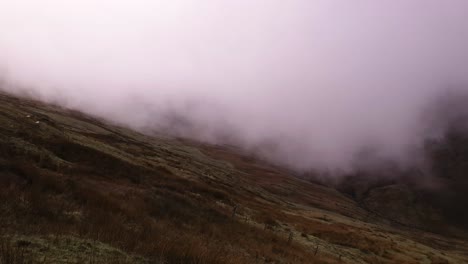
160 223
169 201
12 254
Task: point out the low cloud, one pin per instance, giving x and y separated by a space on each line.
307 84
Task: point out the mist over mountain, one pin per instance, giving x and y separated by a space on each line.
209 131
306 84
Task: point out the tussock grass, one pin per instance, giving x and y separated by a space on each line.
12 254
79 190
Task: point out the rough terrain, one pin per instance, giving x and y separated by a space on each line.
76 189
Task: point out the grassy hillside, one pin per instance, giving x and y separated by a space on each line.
74 189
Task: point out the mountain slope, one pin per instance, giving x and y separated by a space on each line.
155 199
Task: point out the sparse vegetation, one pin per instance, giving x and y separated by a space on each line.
75 189
12 254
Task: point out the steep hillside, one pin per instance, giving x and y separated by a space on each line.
74 189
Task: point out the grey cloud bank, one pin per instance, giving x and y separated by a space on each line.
305 83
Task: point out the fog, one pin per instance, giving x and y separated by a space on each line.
306 84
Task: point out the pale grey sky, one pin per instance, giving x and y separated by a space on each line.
314 80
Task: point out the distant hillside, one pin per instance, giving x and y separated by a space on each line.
74 189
